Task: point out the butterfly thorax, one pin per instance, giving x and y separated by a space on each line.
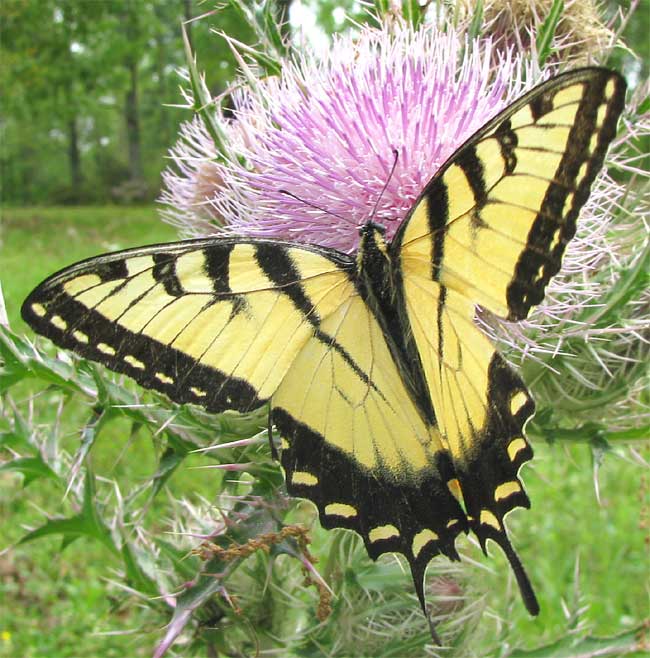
380 286
373 264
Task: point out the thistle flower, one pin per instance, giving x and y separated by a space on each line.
326 130
579 37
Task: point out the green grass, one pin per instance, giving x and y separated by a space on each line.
53 602
38 241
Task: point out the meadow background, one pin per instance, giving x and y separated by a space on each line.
90 105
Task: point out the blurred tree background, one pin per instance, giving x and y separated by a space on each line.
91 88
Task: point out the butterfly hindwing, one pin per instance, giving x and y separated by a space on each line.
214 322
356 445
481 406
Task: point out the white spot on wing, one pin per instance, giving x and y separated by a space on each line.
165 379
80 336
135 363
59 322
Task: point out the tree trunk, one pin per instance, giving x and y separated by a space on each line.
129 20
133 122
74 155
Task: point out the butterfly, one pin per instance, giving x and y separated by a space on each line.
397 417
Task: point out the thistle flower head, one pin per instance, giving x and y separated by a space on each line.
328 132
579 37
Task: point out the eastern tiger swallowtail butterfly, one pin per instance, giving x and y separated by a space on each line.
397 417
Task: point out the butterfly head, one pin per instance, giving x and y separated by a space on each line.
373 259
372 227
373 240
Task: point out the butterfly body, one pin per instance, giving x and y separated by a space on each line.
397 417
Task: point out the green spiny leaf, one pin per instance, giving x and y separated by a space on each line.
89 433
261 18
169 462
207 585
477 19
203 101
186 566
547 31
32 468
85 524
412 12
20 359
136 575
644 106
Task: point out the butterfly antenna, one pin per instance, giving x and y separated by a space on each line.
312 205
383 189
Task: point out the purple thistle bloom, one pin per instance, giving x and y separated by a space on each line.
326 130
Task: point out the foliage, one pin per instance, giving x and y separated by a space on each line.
148 489
68 85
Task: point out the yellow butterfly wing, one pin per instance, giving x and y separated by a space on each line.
355 443
214 322
490 229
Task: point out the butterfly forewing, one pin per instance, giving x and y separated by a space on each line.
494 223
213 322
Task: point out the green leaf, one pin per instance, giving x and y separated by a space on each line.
644 106
257 521
547 31
12 368
586 647
412 12
477 19
169 462
89 433
32 468
261 18
21 359
186 566
382 7
272 31
87 523
18 436
203 101
135 573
